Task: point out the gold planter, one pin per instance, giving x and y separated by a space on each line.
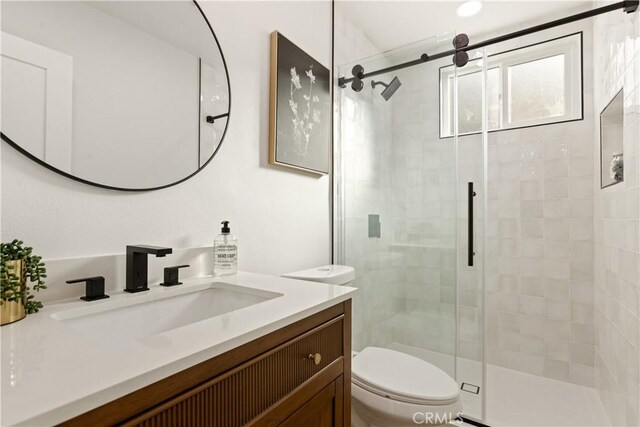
12 311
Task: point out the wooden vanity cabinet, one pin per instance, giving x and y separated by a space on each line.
299 375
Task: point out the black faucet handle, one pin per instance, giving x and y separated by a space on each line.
94 288
172 275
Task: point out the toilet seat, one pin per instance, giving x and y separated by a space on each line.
403 378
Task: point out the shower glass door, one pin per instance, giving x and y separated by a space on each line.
467 119
401 209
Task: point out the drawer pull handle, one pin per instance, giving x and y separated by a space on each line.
317 358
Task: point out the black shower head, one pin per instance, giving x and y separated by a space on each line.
389 89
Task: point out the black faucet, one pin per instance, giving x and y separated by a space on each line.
138 266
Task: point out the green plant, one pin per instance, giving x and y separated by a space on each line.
10 286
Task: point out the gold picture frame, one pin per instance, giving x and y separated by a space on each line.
299 109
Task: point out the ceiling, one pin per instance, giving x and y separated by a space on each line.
390 24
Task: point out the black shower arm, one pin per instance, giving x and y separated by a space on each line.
374 84
628 6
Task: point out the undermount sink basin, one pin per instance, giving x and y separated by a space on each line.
135 317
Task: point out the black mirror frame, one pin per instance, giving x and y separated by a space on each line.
13 144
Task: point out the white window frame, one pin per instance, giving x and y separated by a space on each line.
570 46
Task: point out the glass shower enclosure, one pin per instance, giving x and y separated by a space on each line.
404 189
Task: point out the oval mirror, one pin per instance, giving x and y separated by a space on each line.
127 95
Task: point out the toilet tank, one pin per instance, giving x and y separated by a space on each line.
342 275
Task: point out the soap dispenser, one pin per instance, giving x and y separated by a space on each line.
225 252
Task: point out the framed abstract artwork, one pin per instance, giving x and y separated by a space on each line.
300 109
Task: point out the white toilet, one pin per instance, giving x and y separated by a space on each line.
390 388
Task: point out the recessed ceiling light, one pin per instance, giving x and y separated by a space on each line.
469 8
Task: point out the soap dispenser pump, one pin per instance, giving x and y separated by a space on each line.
225 252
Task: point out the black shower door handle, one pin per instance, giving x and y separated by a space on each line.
471 195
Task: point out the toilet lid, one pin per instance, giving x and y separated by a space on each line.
402 377
332 274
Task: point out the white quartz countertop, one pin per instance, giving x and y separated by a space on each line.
51 372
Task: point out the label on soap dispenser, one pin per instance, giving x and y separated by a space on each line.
225 258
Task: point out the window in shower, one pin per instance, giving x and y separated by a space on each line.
528 86
470 104
536 90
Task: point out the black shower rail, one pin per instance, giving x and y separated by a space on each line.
461 42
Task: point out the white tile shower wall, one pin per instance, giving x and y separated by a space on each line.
540 250
424 212
616 64
540 233
517 220
364 140
539 242
420 169
523 301
394 165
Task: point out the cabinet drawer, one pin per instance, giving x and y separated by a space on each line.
238 396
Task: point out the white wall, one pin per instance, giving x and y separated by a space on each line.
281 218
616 63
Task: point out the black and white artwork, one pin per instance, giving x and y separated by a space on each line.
300 122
